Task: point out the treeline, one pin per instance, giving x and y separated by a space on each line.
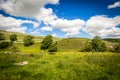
95 45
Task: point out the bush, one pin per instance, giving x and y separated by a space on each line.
2 36
96 45
47 41
87 47
53 48
4 45
28 40
117 48
13 37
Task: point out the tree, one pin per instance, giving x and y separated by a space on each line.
53 48
4 45
2 36
47 41
98 45
117 48
28 40
13 37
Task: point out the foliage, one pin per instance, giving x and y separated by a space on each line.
61 66
28 40
13 37
117 48
4 45
2 36
53 48
87 47
47 41
96 45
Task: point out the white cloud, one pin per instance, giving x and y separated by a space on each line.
46 15
46 28
103 26
12 24
70 27
54 35
26 8
116 4
36 32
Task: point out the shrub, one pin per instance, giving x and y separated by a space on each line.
117 48
28 40
13 37
96 45
53 48
2 36
4 45
47 41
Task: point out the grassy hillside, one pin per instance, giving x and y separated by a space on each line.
64 45
60 66
20 36
72 44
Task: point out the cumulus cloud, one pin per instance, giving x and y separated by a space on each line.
70 27
116 4
103 26
46 15
12 24
26 8
46 28
35 32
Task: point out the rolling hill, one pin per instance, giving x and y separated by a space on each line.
63 44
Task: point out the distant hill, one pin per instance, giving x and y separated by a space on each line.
63 44
20 36
114 40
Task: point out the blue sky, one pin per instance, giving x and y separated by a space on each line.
62 18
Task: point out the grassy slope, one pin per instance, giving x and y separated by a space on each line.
20 36
61 66
72 44
68 44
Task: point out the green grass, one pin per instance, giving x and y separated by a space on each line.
72 44
61 66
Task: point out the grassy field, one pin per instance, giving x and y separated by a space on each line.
61 66
66 64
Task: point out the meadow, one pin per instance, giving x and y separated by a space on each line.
68 63
61 66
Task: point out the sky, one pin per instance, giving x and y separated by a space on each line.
62 18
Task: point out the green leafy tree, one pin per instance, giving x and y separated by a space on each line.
47 41
2 36
53 48
13 37
4 45
28 40
87 47
117 48
98 45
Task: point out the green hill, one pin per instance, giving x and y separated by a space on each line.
20 36
63 44
115 40
72 44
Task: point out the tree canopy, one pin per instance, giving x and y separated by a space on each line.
2 36
47 41
13 37
28 40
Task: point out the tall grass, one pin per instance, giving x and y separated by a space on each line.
61 66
